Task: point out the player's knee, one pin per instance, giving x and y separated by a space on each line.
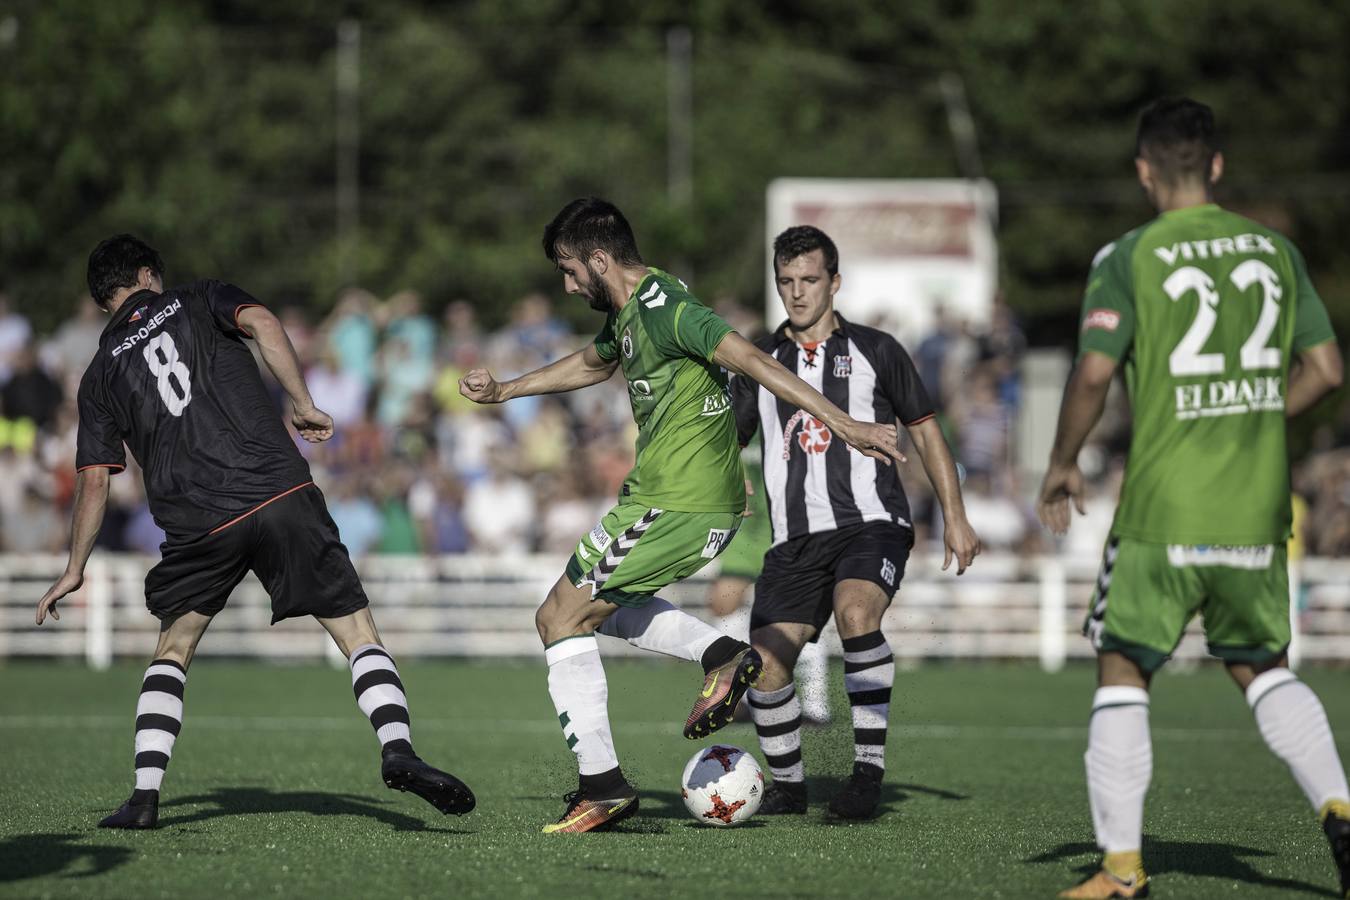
856 618
779 657
1243 674
1117 669
556 618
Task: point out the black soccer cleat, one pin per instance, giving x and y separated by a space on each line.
406 772
723 688
784 798
859 796
141 812
1336 824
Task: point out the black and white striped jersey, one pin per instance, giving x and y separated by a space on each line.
814 482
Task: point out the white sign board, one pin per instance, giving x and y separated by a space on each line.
906 247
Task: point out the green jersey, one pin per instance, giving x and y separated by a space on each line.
688 459
1205 308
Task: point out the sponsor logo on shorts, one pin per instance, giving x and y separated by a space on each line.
718 538
1252 556
1105 319
888 572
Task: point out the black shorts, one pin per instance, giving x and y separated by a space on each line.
292 545
798 579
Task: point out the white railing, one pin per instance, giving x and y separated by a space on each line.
1006 607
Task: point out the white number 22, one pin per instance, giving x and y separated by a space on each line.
1186 358
161 354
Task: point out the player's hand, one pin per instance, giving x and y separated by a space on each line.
873 439
1061 484
314 424
67 583
749 492
961 542
480 387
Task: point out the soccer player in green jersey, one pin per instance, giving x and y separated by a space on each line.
1222 338
679 506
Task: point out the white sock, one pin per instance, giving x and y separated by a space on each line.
812 673
1119 762
576 682
662 628
1295 728
736 625
778 722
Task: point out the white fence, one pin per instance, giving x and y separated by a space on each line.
1006 607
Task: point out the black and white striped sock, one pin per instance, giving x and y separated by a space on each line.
778 722
379 693
159 717
869 672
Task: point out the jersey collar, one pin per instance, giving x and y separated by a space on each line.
130 305
1199 207
780 335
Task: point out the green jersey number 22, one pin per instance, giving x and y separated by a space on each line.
1186 358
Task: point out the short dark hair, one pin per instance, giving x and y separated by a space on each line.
800 240
116 262
588 224
1177 137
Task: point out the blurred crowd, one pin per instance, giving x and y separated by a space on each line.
415 468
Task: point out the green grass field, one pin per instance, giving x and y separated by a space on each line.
274 790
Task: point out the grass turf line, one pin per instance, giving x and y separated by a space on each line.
274 790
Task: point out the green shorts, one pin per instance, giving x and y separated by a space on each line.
636 551
1147 593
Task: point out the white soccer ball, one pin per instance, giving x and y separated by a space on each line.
722 786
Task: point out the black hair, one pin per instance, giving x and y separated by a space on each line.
116 262
588 224
1177 138
800 240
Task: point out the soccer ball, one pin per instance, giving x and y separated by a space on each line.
722 786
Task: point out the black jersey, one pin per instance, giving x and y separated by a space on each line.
813 481
174 380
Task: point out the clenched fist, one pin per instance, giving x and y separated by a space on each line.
480 387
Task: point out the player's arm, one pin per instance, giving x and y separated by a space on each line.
578 370
959 538
279 354
91 499
1084 400
1316 372
744 358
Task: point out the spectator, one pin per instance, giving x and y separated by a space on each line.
15 333
31 393
500 512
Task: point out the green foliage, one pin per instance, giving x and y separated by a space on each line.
210 127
